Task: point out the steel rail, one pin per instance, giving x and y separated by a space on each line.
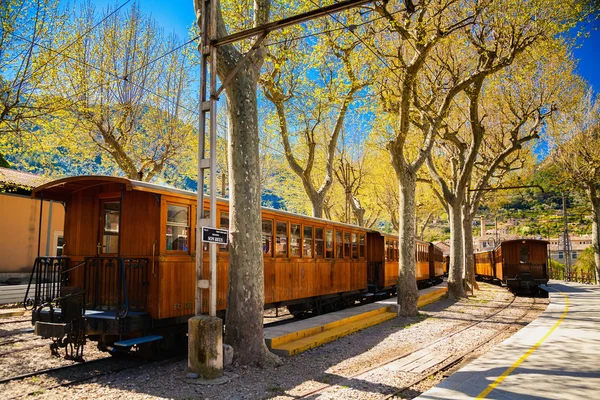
408 353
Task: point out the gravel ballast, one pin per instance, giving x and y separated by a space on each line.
335 370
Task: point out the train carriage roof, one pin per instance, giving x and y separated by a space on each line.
513 241
62 189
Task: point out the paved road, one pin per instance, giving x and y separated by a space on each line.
557 356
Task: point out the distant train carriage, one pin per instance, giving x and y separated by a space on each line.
383 255
520 264
436 264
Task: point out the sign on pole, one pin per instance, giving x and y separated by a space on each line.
213 235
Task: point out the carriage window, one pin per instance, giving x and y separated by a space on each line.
339 246
329 243
295 240
267 237
177 227
524 255
308 242
224 224
346 244
281 239
361 246
396 258
110 231
319 242
354 245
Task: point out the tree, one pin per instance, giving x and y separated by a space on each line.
486 38
577 134
245 296
121 103
311 113
351 174
29 30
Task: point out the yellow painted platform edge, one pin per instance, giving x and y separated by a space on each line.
431 297
293 336
290 351
424 300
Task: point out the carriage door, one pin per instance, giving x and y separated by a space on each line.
110 215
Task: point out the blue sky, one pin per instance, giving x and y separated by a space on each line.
588 54
178 15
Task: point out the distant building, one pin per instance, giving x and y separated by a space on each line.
577 245
20 224
489 239
444 246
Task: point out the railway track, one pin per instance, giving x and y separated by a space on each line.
417 355
71 374
15 322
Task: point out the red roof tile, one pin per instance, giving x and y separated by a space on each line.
11 177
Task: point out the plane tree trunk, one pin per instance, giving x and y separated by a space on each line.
245 296
408 293
456 272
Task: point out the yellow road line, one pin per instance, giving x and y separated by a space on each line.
498 381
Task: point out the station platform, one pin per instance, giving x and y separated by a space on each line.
296 337
557 356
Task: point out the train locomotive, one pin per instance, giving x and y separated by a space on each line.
522 264
127 276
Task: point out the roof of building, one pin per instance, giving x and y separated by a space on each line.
11 177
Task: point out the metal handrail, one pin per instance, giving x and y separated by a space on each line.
49 274
109 289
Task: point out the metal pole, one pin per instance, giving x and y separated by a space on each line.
213 157
40 222
201 153
566 247
49 229
496 227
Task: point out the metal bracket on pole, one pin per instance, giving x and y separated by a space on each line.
235 70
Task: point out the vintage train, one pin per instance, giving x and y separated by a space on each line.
519 264
127 274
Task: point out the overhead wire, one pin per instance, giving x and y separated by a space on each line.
114 75
117 77
78 38
380 58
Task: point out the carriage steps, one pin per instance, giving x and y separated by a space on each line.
297 337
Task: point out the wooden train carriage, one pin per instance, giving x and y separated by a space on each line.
522 263
436 263
422 256
132 244
485 265
446 265
384 255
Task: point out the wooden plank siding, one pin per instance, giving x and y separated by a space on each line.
171 273
314 261
484 263
525 255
